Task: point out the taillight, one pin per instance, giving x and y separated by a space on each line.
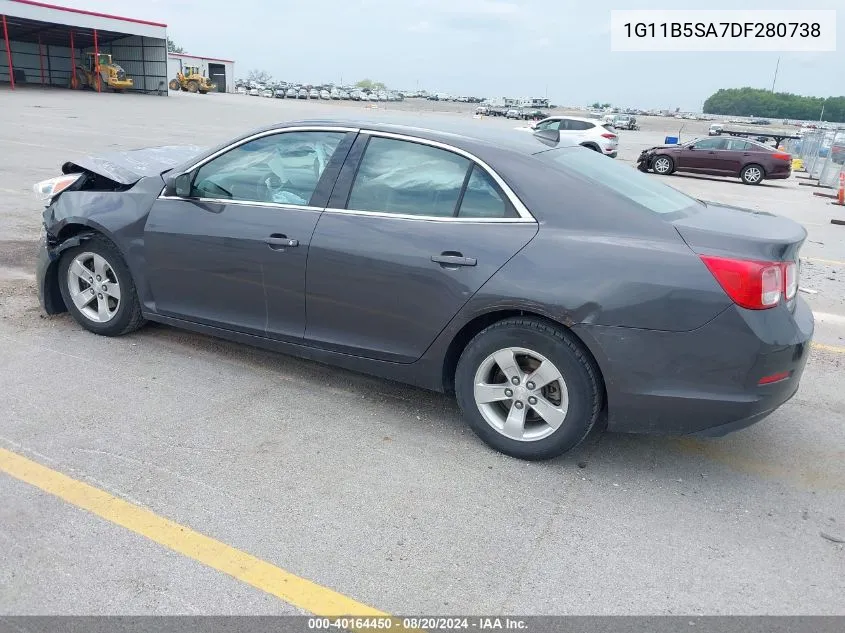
782 156
790 275
609 135
750 284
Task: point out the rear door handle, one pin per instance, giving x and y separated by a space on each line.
456 259
278 242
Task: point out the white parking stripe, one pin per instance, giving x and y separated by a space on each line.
826 317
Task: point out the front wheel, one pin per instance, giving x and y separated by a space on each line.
751 175
528 389
98 290
663 165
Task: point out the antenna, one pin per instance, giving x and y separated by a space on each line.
776 75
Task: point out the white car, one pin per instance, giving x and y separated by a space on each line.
325 94
241 90
579 131
267 92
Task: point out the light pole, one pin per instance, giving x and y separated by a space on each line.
776 75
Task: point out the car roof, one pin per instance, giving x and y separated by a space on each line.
572 118
484 139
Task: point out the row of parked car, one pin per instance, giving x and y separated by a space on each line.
285 91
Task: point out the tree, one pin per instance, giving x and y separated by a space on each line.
261 76
595 105
369 84
778 105
173 47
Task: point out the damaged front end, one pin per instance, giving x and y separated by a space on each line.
107 195
646 158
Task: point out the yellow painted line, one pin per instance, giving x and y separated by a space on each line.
822 472
832 262
294 590
838 349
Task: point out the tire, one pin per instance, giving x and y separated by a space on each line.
663 165
174 84
752 174
124 312
572 400
193 86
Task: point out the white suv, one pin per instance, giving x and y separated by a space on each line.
587 132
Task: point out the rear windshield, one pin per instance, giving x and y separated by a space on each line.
623 179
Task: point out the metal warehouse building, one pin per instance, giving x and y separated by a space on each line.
220 71
41 43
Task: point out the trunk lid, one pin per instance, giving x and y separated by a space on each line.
742 233
128 167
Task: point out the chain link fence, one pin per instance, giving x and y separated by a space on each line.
834 162
822 153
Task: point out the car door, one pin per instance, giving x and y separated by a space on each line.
413 230
738 152
706 156
231 253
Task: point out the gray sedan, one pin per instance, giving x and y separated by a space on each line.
545 286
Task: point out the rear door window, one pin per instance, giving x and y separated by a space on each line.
482 198
739 145
408 178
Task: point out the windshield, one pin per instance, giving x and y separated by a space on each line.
622 179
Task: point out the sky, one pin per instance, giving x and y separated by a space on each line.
517 48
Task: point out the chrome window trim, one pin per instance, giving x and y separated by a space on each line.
429 218
521 209
245 203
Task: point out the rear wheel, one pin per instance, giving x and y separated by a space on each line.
173 85
663 165
752 174
528 389
98 290
193 86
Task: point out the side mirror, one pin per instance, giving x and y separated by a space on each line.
179 185
548 136
690 146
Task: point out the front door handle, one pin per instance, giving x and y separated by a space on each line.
453 259
279 242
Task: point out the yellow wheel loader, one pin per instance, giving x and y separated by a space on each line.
111 75
191 80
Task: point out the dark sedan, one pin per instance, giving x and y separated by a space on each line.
543 285
748 160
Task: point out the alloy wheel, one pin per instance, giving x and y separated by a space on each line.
753 174
662 165
521 394
93 287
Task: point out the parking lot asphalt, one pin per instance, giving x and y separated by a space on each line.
367 488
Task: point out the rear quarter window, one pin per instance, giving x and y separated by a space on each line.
622 179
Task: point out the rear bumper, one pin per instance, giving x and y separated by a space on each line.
705 381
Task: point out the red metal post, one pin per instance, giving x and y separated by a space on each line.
41 59
72 63
8 53
97 59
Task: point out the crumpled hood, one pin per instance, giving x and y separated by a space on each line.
128 167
